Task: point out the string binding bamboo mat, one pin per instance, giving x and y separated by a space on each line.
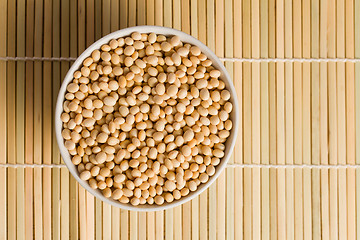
295 171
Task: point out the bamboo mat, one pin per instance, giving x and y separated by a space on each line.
304 115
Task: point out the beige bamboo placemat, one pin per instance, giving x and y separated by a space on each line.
292 174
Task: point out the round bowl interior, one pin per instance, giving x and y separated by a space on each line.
234 116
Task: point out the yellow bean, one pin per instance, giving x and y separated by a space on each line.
135 201
166 47
192 186
124 199
85 175
225 95
95 55
152 37
159 200
117 194
127 192
105 56
184 192
105 172
175 41
168 197
215 73
203 177
183 51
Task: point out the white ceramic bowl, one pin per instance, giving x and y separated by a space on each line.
234 116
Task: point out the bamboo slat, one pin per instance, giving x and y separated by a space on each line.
264 119
272 122
55 152
64 175
289 120
159 225
141 15
315 121
298 192
99 219
82 214
123 4
255 119
168 14
47 120
341 118
246 42
3 171
106 223
20 120
90 22
280 120
11 147
290 113
38 191
357 115
333 149
350 118
131 14
325 231
177 14
306 113
29 121
90 219
158 12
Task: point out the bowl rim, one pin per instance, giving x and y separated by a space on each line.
184 37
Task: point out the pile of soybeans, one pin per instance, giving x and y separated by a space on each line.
146 119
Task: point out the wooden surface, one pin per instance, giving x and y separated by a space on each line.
291 113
